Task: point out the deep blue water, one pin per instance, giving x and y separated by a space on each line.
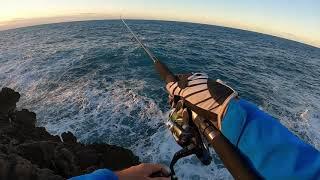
92 79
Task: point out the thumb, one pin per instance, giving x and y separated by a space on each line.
156 168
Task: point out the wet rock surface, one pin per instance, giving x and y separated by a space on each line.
30 152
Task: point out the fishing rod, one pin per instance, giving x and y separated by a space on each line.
192 138
150 54
163 70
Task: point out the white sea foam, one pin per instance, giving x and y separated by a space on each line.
312 126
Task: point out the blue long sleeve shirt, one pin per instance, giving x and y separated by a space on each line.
271 148
273 151
100 174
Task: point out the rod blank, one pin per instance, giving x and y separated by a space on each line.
153 57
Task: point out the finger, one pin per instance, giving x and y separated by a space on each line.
175 87
160 178
165 172
153 168
172 87
198 76
185 115
171 99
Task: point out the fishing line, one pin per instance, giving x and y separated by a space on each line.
152 56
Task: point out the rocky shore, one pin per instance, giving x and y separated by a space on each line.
30 152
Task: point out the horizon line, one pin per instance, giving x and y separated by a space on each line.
31 22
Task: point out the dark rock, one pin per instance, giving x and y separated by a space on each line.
119 157
46 174
68 137
15 167
29 152
25 119
40 153
8 100
65 162
42 134
88 157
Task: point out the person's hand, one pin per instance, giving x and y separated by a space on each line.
205 97
144 172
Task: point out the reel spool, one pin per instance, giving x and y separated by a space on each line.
187 136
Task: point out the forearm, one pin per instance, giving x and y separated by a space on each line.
139 172
100 174
270 147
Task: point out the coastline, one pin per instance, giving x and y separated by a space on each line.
30 152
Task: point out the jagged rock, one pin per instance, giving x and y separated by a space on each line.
8 100
68 137
29 152
65 162
25 119
47 174
40 153
88 157
15 167
119 155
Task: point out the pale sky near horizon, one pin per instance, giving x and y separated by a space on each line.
293 19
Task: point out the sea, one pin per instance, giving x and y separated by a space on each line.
93 79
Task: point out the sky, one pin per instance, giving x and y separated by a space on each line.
292 19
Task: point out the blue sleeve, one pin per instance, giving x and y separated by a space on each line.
100 174
270 147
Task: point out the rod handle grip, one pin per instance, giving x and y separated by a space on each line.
233 159
230 155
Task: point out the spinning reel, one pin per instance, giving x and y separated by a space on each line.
187 135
